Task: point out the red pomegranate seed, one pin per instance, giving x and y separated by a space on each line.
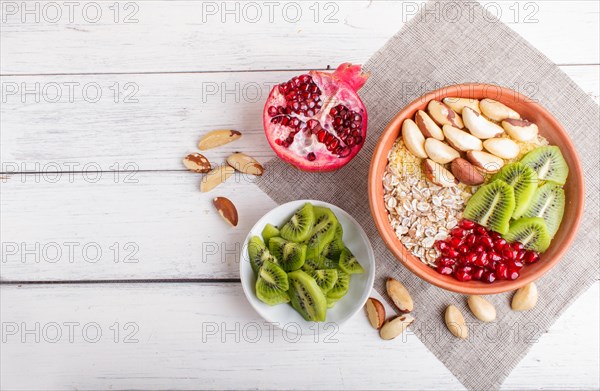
486 241
531 256
479 249
515 264
446 270
321 135
482 260
499 244
440 245
481 230
447 261
512 275
495 235
463 249
489 277
495 257
358 139
517 246
501 271
457 232
467 224
451 252
478 273
471 240
311 157
454 242
463 273
521 255
470 258
509 253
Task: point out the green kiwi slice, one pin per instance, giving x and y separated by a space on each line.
299 227
531 232
325 278
307 297
322 232
331 302
311 264
335 247
549 164
349 264
492 206
327 263
258 253
270 231
549 204
523 180
290 256
341 286
272 284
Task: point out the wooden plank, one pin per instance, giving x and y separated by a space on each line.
111 226
94 37
190 336
145 122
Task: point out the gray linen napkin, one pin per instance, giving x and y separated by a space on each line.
427 54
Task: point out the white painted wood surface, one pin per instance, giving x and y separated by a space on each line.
164 80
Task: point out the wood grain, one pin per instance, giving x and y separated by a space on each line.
187 339
183 36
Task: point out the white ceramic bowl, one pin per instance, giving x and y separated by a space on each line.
283 315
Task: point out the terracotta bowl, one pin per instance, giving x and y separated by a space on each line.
549 128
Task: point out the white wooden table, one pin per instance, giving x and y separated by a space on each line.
116 271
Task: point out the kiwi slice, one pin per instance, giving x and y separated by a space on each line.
311 264
531 232
523 180
322 232
331 302
549 164
272 284
325 278
341 286
258 253
327 263
492 206
298 228
349 264
306 296
290 256
270 231
549 204
335 247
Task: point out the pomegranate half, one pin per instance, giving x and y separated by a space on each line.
317 121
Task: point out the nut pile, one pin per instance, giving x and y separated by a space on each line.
462 140
213 177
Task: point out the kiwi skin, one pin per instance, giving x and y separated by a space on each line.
492 206
531 232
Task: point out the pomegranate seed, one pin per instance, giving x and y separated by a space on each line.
521 255
478 273
279 142
515 264
321 135
482 260
495 235
508 253
454 242
481 230
444 270
470 258
489 277
333 112
512 275
457 232
499 244
350 141
358 139
495 257
312 123
305 78
463 249
463 273
517 246
486 241
344 152
285 121
337 121
479 249
311 157
333 144
273 111
467 224
531 256
471 240
447 261
501 271
451 253
440 245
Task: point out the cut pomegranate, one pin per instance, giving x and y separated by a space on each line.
317 121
